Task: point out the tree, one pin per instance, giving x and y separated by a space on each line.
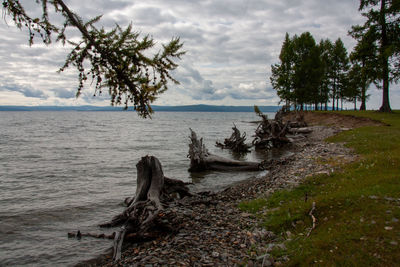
112 59
364 55
383 28
297 77
354 86
281 78
326 48
307 70
338 71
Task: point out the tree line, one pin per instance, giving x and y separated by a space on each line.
324 75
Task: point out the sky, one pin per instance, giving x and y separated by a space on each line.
230 46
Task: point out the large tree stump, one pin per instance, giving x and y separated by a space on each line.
276 133
202 160
271 133
236 142
144 218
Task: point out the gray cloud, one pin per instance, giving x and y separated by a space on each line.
64 93
26 91
230 46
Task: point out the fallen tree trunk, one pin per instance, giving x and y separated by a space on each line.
303 130
202 160
144 218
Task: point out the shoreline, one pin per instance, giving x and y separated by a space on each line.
214 231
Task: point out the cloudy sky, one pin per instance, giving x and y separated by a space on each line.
230 48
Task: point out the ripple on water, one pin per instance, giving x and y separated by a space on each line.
60 172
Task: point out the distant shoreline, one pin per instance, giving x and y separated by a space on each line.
187 108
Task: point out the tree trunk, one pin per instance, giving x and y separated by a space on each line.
341 103
385 60
363 88
337 103
363 98
144 218
202 160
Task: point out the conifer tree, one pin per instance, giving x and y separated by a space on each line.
281 78
307 70
354 85
114 59
338 72
326 48
364 56
382 27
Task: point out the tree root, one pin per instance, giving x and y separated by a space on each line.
144 218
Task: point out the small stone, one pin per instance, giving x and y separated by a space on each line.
388 228
266 262
289 234
215 254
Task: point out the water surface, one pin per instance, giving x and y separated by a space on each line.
63 171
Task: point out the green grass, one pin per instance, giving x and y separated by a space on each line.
357 209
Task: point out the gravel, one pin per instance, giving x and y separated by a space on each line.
212 231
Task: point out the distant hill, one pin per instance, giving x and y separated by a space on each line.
188 108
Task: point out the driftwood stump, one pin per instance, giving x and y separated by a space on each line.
144 218
277 133
202 160
236 142
271 133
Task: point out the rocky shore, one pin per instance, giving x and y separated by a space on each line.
213 231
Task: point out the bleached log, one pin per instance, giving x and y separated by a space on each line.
202 160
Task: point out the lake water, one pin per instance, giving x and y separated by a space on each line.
63 171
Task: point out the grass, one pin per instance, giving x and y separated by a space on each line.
357 209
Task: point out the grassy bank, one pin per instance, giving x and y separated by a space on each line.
357 209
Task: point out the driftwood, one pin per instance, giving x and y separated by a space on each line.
144 218
299 121
275 133
271 133
202 160
314 220
304 130
236 142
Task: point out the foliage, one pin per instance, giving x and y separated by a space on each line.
338 72
310 73
326 48
307 69
353 90
364 56
379 39
281 78
357 208
113 59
